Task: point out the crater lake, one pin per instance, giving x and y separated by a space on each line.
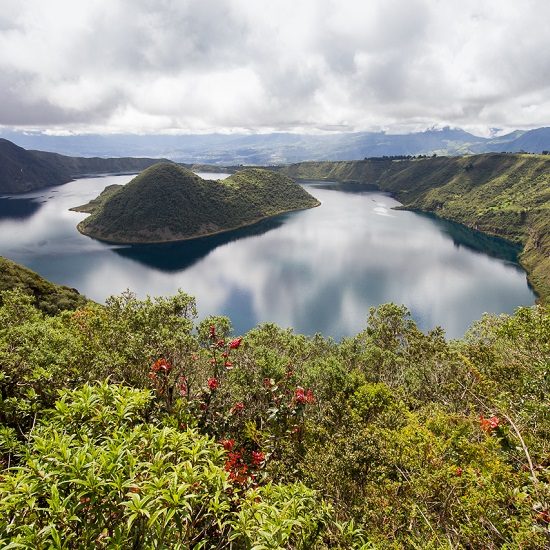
317 270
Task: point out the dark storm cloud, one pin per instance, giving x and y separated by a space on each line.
203 65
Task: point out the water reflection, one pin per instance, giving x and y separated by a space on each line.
182 255
317 270
479 242
17 209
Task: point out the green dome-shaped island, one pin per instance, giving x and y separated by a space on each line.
166 203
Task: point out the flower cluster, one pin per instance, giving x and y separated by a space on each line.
213 383
237 468
234 344
218 344
161 366
489 424
183 387
241 470
211 402
159 375
257 458
237 408
228 444
302 396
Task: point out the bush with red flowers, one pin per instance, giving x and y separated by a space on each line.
413 440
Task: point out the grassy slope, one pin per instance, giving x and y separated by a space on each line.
349 171
22 170
167 202
48 297
500 194
94 204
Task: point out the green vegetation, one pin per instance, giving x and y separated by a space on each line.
48 297
22 170
167 203
500 194
130 425
99 201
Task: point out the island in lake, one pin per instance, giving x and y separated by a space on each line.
167 203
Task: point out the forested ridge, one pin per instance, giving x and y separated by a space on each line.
22 170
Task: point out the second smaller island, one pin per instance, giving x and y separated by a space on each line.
167 203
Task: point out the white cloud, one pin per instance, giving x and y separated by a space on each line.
208 65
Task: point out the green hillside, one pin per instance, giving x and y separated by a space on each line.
507 195
22 170
132 425
168 202
46 296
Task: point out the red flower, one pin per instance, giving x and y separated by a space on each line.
228 444
228 365
458 472
234 344
233 459
302 396
161 366
220 343
237 407
212 332
182 386
489 424
213 383
257 457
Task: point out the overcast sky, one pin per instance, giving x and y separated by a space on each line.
269 65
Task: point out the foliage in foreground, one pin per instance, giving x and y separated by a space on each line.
202 440
98 473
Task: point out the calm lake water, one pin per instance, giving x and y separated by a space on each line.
317 270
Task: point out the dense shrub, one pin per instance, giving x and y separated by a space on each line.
411 440
96 474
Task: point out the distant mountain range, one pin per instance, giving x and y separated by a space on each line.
280 148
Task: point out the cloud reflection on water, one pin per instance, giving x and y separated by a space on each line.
317 270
